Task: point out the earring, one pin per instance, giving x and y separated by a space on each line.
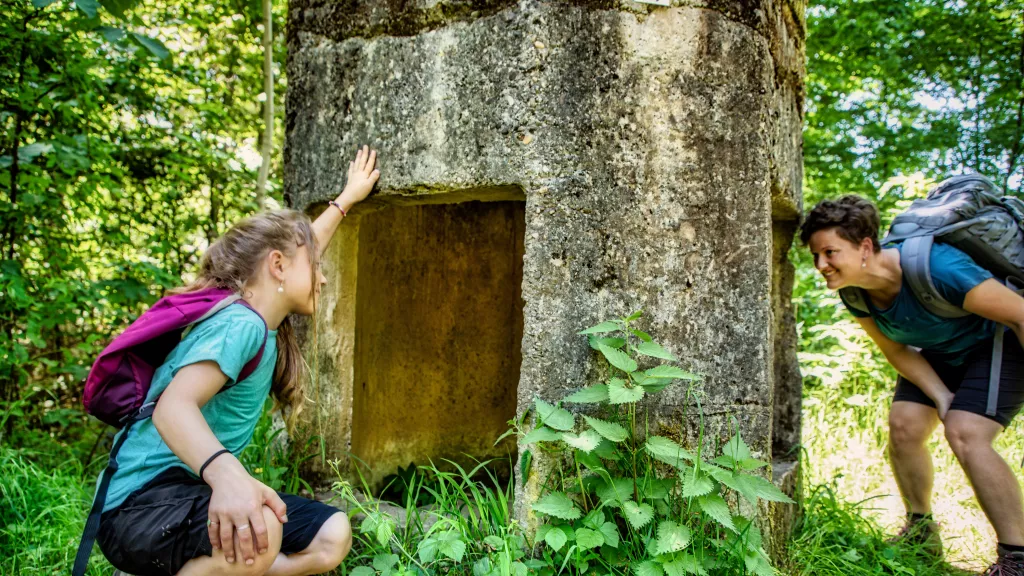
280 289
864 263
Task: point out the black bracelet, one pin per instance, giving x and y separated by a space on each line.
211 459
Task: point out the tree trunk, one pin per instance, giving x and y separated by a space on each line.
268 104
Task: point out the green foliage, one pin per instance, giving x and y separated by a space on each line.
617 503
129 140
466 528
834 538
920 86
42 513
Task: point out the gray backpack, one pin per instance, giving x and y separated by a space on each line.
970 213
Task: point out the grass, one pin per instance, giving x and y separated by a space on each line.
42 513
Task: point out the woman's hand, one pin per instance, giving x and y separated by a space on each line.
362 175
236 506
942 404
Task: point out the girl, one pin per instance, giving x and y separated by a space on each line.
180 501
944 366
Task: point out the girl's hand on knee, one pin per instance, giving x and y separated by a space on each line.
236 507
362 175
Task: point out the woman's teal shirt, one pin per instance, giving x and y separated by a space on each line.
230 338
906 321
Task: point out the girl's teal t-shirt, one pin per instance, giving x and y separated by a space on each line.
906 321
230 338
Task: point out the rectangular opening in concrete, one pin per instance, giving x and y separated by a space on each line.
437 333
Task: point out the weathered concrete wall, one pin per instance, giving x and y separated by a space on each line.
657 150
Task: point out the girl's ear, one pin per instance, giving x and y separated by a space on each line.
867 247
276 263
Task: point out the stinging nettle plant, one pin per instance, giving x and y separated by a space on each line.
618 503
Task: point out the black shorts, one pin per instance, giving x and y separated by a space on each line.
162 525
969 381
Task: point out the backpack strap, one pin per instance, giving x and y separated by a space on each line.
856 298
915 259
92 524
253 362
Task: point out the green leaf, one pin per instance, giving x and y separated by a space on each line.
672 372
495 542
754 487
713 505
610 532
619 393
541 434
155 46
696 482
585 441
594 519
42 3
557 418
451 545
648 568
654 350
618 358
672 537
666 451
736 449
30 152
110 34
589 395
385 530
587 538
88 6
118 7
684 564
602 327
556 539
609 430
596 342
363 571
644 336
524 467
385 561
590 459
635 316
616 492
558 505
639 515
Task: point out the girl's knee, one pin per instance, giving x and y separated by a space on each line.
333 541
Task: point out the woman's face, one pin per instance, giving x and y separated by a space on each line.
298 286
838 259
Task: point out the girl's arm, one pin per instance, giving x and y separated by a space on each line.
992 300
912 366
238 499
362 175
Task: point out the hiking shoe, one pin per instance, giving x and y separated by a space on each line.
1008 564
922 535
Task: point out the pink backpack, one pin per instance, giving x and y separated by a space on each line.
119 381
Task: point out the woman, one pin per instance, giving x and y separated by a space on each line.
943 364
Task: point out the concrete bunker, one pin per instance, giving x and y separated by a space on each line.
437 325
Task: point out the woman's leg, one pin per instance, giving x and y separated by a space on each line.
971 436
217 565
325 553
910 426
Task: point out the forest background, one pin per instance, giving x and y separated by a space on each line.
131 136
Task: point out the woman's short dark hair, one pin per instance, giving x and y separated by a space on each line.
853 217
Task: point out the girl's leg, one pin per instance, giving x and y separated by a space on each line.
217 565
325 553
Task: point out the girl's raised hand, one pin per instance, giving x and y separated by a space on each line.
362 175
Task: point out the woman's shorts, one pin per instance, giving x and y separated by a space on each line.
162 525
969 381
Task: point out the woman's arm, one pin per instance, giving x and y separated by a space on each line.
992 300
237 499
362 175
912 366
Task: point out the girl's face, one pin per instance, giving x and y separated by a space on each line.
839 260
298 283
